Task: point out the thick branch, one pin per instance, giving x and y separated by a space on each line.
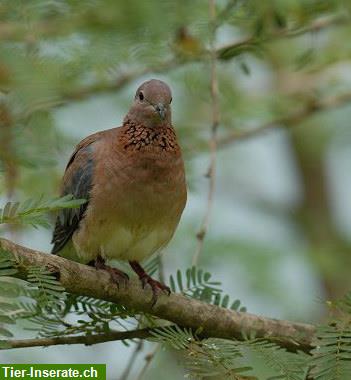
87 340
214 321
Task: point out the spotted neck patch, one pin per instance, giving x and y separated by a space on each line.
139 137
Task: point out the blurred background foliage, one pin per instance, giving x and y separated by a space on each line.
279 237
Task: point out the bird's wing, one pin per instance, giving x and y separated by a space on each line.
78 181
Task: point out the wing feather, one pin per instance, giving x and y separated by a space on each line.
77 180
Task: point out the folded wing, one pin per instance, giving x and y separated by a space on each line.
78 181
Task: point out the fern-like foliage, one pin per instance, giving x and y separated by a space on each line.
7 264
332 356
46 290
174 336
98 315
42 304
227 358
42 323
34 212
286 365
206 358
38 301
196 283
86 315
10 291
344 305
217 357
152 265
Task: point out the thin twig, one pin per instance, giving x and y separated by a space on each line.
289 121
211 173
86 339
228 51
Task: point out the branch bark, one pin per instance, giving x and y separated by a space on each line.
213 320
87 340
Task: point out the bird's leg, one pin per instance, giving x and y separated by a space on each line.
117 275
156 286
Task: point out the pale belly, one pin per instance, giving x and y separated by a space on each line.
134 234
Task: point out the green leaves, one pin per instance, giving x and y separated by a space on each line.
174 336
286 365
6 264
42 305
196 283
47 291
203 358
229 359
332 356
34 212
38 301
10 291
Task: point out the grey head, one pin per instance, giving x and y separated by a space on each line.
152 104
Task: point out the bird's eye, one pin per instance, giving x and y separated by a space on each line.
170 101
141 96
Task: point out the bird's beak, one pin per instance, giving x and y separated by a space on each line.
161 110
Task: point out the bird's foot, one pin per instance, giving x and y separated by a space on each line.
117 276
156 286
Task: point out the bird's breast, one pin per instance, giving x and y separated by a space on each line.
149 190
135 205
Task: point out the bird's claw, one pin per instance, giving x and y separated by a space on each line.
117 276
156 287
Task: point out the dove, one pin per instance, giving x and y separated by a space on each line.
133 180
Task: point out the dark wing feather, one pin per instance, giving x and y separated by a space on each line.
78 181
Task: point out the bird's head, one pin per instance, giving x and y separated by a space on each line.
152 104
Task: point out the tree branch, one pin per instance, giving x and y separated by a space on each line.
222 53
230 50
87 340
213 320
289 121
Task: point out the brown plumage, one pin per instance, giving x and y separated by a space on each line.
133 178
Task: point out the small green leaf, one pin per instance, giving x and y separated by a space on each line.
5 332
225 301
179 280
172 284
